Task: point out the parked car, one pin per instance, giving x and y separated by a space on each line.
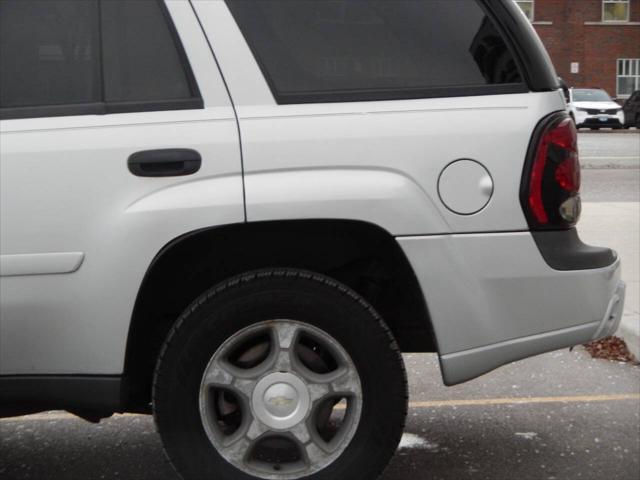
593 108
632 110
236 216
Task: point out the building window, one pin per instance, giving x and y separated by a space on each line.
615 10
527 8
628 76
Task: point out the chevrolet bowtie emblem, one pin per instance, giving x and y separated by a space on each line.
281 401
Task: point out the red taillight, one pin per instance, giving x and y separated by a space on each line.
568 175
564 135
535 186
551 194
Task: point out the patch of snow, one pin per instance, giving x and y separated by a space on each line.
411 441
527 435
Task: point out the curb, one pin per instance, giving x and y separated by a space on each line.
601 163
629 331
634 164
624 131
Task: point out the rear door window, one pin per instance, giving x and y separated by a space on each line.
75 57
347 50
141 61
49 52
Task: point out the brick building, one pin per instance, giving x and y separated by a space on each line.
593 43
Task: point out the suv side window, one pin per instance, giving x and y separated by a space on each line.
346 50
49 53
141 61
79 57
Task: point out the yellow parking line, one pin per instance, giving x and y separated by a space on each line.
412 405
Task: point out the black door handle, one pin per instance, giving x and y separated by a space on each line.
171 162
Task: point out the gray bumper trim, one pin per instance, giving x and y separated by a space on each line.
462 366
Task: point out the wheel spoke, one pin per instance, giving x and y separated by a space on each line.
346 381
301 433
284 361
284 339
315 453
256 430
318 391
237 449
285 334
219 375
225 376
245 387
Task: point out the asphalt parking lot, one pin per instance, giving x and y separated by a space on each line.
557 416
561 415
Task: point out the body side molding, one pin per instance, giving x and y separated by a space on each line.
40 263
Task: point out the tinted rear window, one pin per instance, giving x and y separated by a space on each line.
95 56
49 52
141 61
376 49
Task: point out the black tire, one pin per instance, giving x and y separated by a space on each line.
638 121
245 300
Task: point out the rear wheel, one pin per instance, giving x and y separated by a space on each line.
280 375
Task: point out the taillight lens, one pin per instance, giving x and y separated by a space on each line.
551 184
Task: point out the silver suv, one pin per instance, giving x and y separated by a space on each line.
236 215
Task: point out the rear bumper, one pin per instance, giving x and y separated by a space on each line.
592 122
613 315
493 299
563 250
